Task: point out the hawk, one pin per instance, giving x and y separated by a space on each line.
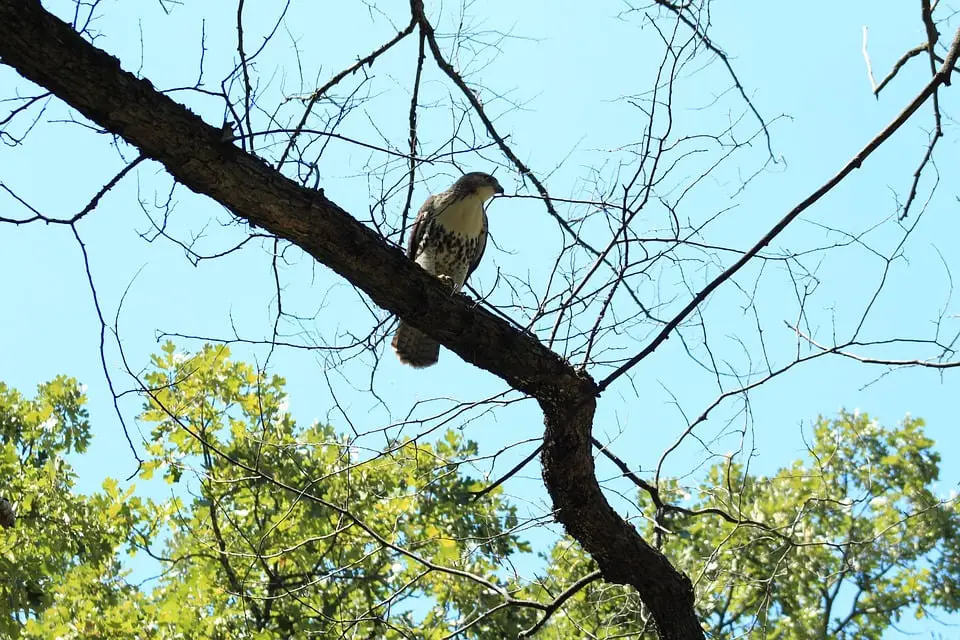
447 239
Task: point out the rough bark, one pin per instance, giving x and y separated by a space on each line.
48 52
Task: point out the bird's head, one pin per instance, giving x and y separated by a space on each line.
479 183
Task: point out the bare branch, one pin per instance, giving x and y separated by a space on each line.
855 163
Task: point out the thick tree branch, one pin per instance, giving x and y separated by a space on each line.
48 52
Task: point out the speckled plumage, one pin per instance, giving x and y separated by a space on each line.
447 239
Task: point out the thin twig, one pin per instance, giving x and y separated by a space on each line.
367 60
559 600
479 494
855 163
839 350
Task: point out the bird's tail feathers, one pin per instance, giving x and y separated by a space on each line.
414 347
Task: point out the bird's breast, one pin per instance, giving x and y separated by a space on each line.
448 253
464 217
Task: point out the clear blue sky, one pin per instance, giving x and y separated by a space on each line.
565 68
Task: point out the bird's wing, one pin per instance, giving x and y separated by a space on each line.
481 247
416 231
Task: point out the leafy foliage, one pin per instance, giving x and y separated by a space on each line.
290 532
63 546
837 546
286 531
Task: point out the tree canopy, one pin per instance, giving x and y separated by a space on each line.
276 530
840 544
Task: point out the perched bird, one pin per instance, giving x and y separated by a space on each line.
447 239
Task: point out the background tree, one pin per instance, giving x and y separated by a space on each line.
645 243
842 544
244 558
60 558
372 543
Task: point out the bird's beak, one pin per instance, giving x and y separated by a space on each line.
498 189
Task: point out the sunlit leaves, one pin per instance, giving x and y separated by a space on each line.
61 539
283 530
853 537
280 530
